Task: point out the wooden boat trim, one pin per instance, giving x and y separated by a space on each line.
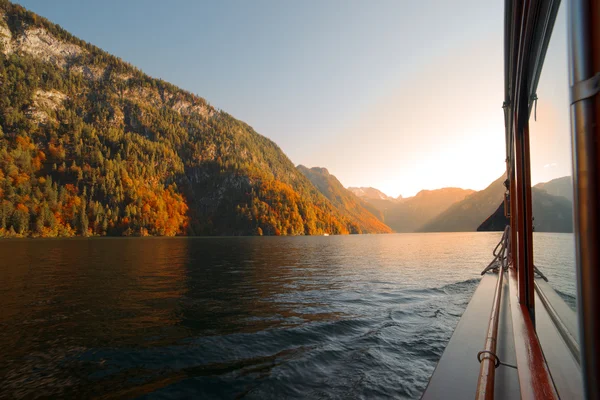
528 28
488 358
534 378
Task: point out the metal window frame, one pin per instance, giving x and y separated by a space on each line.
528 28
584 64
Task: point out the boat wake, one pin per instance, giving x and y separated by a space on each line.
387 353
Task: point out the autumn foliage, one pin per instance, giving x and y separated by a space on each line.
121 153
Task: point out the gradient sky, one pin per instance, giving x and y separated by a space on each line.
398 95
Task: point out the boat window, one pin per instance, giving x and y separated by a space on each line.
551 179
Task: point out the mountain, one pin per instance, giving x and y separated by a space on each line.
370 193
559 187
414 212
495 222
90 145
550 213
466 215
345 201
379 206
411 213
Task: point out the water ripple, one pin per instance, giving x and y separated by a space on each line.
254 318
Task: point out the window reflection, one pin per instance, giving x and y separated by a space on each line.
551 171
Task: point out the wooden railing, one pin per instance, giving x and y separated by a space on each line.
488 358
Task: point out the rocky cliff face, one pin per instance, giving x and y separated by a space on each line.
90 145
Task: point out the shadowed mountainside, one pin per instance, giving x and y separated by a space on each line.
550 213
414 212
559 187
411 213
366 216
466 215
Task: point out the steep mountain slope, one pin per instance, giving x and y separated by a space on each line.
468 214
559 187
495 222
344 200
91 145
550 213
380 206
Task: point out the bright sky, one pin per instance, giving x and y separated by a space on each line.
551 133
398 95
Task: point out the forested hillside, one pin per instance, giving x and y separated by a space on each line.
345 201
90 145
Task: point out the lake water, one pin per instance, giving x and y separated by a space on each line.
363 316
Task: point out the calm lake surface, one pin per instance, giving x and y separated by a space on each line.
258 317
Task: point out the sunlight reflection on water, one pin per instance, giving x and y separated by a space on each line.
268 317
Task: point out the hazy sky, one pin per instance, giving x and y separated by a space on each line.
398 95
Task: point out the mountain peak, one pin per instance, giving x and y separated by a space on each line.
370 193
467 214
558 187
448 192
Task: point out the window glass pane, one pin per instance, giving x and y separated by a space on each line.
551 171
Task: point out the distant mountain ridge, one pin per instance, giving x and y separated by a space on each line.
371 193
558 187
460 210
411 213
550 213
467 215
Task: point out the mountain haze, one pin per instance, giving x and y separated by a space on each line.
90 145
371 193
467 215
411 213
550 213
414 212
345 201
558 187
